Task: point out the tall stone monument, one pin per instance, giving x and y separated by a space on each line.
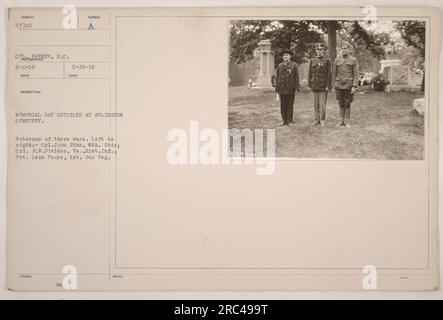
266 64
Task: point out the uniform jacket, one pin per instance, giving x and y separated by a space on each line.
286 80
345 72
320 73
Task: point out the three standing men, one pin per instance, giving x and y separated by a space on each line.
286 85
319 81
343 77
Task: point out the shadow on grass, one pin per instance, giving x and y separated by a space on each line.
384 125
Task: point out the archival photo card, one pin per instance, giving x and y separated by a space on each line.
222 149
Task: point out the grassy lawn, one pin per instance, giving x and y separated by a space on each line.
384 125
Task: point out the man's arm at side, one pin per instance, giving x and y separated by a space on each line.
297 83
310 73
277 79
329 81
355 80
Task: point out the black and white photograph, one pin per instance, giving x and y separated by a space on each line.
331 89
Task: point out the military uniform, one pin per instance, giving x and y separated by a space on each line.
345 76
286 85
319 79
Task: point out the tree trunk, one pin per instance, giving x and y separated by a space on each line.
422 88
332 39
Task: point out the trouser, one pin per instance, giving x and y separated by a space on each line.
287 107
320 98
344 98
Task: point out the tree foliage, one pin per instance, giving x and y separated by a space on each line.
373 42
297 36
300 37
413 33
